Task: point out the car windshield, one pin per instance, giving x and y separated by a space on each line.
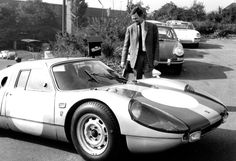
182 25
85 74
166 33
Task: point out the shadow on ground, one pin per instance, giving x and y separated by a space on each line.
196 70
196 54
37 140
203 45
218 145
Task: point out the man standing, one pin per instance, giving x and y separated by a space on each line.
141 42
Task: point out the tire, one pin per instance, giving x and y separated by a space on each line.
95 132
196 45
178 69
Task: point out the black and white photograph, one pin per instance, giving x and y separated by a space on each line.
117 80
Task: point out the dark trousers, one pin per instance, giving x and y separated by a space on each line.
142 67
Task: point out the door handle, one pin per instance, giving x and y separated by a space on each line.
8 94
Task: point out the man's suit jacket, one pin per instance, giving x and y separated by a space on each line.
149 38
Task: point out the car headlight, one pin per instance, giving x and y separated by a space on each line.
155 119
178 49
198 35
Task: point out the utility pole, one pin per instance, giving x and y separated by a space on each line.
64 17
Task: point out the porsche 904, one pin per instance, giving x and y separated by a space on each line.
83 101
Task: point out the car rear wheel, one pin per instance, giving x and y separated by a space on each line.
95 132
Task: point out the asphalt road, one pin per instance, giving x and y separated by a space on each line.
211 67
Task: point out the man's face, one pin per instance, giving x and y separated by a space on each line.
135 18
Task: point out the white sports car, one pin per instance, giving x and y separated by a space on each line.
83 101
185 32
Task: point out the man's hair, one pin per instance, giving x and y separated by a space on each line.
137 10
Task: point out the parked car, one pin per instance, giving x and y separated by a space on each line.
3 54
6 54
170 49
84 101
186 32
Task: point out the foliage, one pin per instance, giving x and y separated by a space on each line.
34 17
111 30
229 16
171 12
112 62
166 12
215 16
205 27
8 23
20 20
198 11
68 45
78 10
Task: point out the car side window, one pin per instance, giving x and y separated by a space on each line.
22 79
38 81
3 81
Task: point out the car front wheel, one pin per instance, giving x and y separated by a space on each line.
95 132
177 69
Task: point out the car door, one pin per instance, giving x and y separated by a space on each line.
30 103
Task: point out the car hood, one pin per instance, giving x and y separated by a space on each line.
166 49
196 111
184 33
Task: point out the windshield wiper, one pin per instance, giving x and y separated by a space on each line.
91 76
110 77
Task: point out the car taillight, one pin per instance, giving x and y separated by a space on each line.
178 49
154 118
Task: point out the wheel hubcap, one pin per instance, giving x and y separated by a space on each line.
92 134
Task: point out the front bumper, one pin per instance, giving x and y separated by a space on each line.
190 41
149 144
144 144
178 60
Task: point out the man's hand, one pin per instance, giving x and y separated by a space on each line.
122 64
155 62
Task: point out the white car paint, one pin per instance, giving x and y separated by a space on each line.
185 31
44 112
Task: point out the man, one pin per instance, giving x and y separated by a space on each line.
141 42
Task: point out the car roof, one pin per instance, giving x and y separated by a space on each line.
178 22
48 62
159 23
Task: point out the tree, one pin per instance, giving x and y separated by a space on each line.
36 18
26 20
199 11
229 15
78 10
8 23
166 12
215 17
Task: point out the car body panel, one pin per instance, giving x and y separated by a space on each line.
185 31
187 36
43 108
168 41
166 50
